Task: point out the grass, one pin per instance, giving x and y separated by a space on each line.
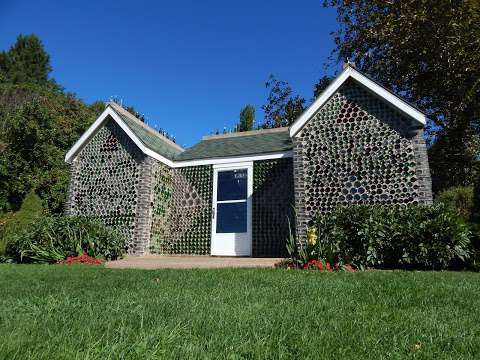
81 312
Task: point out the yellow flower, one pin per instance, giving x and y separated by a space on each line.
312 236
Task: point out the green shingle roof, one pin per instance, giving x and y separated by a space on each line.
149 137
251 143
238 144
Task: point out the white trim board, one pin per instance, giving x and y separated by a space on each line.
295 128
92 130
371 85
233 159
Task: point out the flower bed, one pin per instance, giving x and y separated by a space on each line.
82 259
315 265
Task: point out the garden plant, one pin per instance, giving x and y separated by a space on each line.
414 237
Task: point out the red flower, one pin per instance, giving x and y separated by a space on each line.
82 259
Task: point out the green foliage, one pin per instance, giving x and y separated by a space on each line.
54 238
475 225
464 200
429 52
247 118
321 85
30 211
415 237
476 202
459 198
39 126
5 223
298 254
452 159
282 108
26 62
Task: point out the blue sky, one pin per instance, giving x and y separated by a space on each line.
190 66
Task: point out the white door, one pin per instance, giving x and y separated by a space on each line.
232 209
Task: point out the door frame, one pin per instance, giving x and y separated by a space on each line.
225 167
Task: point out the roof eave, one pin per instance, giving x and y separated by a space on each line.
92 130
119 108
233 159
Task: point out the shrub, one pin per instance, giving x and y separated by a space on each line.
54 238
308 256
466 200
5 219
459 198
476 203
415 237
29 212
475 226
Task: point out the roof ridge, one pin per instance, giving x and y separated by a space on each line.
245 133
132 117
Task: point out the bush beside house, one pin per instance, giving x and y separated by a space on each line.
30 210
466 201
53 239
415 237
33 236
459 198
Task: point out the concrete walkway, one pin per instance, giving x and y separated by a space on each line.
190 262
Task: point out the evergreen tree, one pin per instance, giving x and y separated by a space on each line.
247 118
26 62
3 67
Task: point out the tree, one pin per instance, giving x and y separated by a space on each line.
321 85
26 62
39 122
247 118
3 67
282 108
39 126
429 52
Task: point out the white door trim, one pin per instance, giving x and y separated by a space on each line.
217 249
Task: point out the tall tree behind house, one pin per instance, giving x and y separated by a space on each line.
429 52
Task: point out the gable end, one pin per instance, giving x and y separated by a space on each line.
373 87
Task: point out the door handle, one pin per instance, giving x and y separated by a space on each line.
213 213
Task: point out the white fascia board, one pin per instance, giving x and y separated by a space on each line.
91 131
366 82
317 104
87 135
389 97
233 165
233 159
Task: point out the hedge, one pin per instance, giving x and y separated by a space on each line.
414 237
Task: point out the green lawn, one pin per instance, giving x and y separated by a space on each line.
81 312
